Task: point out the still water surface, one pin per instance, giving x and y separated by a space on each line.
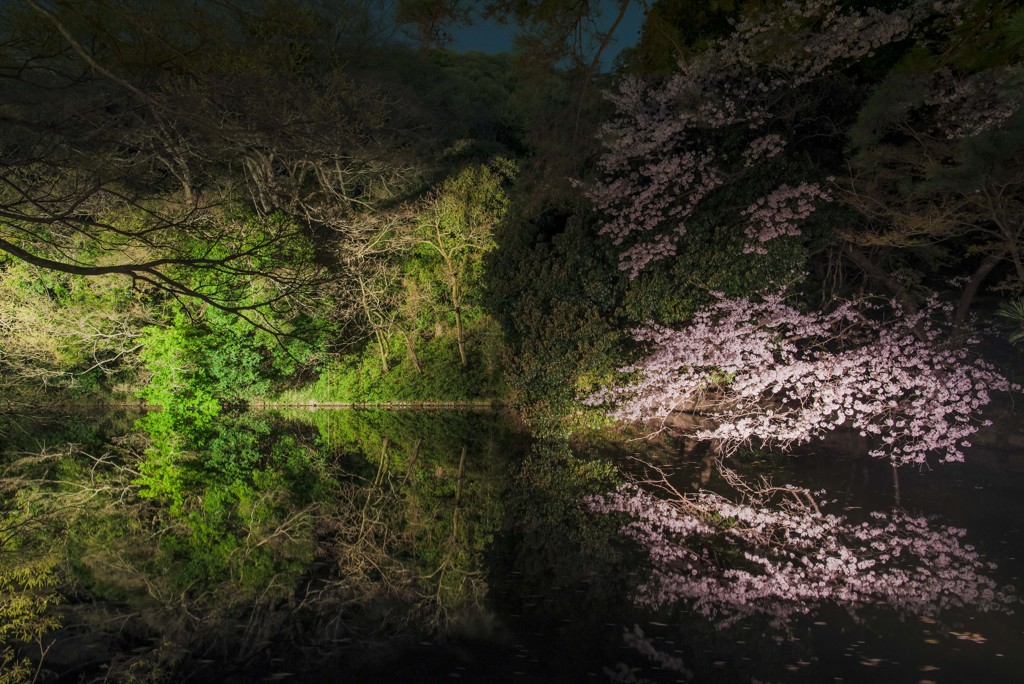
437 546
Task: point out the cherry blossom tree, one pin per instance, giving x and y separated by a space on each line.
716 145
925 148
769 373
673 147
698 148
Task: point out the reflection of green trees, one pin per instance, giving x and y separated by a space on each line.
564 573
551 541
233 540
440 476
27 593
236 497
46 483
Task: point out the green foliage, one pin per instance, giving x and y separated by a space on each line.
1011 313
441 378
178 381
457 229
27 597
197 365
474 94
419 297
82 334
410 433
553 290
713 261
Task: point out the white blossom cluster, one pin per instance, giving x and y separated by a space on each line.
780 213
970 104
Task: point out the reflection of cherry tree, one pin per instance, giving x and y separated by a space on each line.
777 554
776 375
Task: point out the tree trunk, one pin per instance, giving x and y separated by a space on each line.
458 337
458 495
382 349
457 306
967 297
410 345
378 335
876 272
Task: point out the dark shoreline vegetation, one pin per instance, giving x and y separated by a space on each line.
329 352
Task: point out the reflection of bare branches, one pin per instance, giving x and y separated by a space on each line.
761 492
27 484
370 532
363 527
391 553
457 586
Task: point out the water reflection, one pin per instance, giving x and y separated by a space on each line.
775 552
418 546
940 604
232 544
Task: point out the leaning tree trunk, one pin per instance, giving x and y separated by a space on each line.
459 335
459 338
410 345
967 296
876 272
382 349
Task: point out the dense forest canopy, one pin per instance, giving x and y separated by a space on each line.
227 202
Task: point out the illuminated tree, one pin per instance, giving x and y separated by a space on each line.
764 371
691 154
457 229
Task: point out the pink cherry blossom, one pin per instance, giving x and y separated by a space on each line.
663 160
768 373
779 213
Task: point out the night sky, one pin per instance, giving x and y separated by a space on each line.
492 37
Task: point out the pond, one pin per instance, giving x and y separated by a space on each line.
420 546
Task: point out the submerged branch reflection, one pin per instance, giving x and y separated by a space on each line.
775 553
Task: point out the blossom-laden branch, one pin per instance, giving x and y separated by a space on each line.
780 213
726 111
775 375
735 560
